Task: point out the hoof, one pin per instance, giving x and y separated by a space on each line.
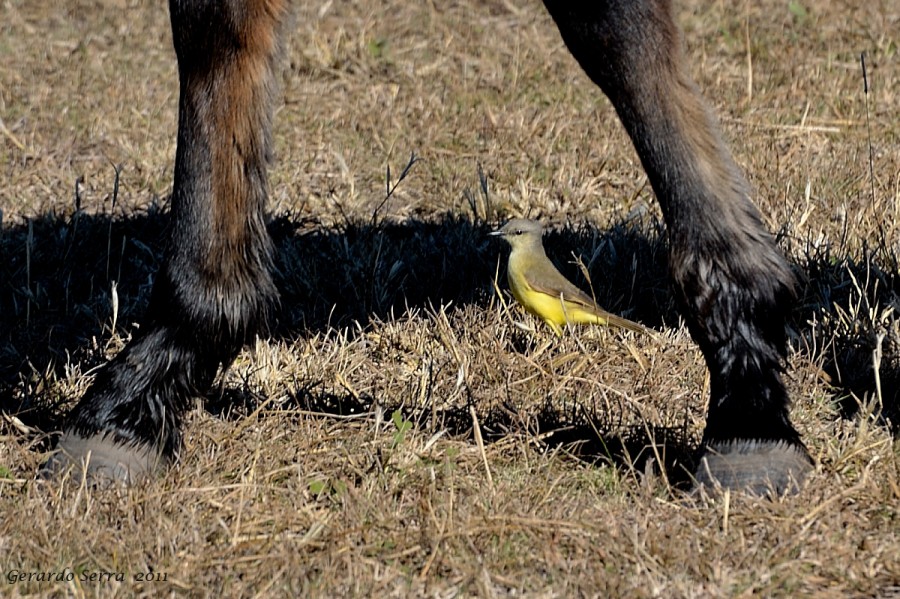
101 460
753 466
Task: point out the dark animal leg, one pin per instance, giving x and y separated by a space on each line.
215 289
733 285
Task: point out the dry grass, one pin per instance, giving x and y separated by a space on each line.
338 457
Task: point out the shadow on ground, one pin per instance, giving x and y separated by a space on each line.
57 272
667 451
848 309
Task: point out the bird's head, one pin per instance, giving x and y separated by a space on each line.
520 232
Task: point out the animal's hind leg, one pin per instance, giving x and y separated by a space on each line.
215 289
733 285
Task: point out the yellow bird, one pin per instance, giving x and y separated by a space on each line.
543 290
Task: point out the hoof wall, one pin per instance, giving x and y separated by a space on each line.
101 460
753 466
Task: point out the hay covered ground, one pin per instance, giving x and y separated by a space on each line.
339 456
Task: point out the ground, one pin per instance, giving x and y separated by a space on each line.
405 430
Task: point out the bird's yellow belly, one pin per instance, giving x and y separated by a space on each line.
553 310
540 304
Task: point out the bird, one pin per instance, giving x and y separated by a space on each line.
542 290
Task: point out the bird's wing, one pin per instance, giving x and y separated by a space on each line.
544 278
550 281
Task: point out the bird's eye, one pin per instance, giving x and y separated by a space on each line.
518 231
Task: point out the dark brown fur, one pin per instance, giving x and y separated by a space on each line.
733 284
215 288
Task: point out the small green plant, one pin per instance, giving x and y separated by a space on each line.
402 425
799 11
317 487
327 488
377 47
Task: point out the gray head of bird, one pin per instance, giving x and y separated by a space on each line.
521 232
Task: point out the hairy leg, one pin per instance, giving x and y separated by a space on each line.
215 289
733 285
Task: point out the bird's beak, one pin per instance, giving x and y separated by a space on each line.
497 233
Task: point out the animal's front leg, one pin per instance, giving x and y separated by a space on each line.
214 291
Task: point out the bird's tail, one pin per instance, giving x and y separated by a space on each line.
603 317
624 323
